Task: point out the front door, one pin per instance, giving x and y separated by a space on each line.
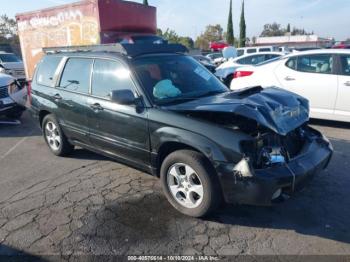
342 107
120 130
311 76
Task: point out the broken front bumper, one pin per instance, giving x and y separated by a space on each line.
258 187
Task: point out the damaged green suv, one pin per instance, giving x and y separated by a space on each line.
155 109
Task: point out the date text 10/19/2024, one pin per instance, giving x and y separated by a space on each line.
173 258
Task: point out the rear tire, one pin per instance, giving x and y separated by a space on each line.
54 137
190 183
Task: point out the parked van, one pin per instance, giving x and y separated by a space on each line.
256 49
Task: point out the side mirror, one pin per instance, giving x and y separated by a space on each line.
123 97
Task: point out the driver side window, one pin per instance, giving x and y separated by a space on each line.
110 75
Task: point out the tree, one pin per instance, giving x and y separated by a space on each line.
171 36
8 33
242 29
213 33
159 32
288 28
174 38
273 29
186 41
8 26
145 2
230 35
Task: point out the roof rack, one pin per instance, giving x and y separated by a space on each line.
131 50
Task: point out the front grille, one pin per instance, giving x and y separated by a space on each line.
4 92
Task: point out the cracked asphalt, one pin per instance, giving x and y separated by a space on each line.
88 204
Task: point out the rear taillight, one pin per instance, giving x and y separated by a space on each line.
238 74
29 92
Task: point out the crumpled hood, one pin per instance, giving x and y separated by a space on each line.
274 108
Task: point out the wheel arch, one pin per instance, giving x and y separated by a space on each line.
171 140
42 115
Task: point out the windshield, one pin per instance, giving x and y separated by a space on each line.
8 58
175 78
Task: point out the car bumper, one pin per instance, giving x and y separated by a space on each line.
261 186
10 109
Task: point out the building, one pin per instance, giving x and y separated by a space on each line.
296 41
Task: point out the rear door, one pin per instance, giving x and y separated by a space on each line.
313 77
71 97
343 100
120 130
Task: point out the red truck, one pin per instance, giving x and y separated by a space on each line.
87 22
217 46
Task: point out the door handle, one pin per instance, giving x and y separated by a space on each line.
57 97
96 107
289 78
347 83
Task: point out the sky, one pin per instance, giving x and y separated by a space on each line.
327 18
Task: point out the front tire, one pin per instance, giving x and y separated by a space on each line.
190 183
55 138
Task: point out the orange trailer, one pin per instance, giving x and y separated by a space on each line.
88 22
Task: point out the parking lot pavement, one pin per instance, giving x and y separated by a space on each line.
87 204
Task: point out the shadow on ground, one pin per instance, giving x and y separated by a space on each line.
10 254
142 224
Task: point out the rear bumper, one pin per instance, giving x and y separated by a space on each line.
10 109
259 187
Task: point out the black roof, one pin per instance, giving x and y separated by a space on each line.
131 50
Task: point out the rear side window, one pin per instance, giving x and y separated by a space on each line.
109 76
292 63
252 60
345 65
76 75
47 70
264 50
320 64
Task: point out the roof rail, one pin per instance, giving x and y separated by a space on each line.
131 50
118 48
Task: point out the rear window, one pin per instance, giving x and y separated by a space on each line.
47 70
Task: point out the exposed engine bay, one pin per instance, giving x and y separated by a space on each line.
266 148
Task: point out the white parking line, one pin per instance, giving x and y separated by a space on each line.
13 148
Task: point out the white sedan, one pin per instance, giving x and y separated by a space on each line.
322 76
226 70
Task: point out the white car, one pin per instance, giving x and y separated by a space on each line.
216 58
226 70
11 65
322 76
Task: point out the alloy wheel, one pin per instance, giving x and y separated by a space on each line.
185 185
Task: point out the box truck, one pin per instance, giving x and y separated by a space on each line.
88 22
